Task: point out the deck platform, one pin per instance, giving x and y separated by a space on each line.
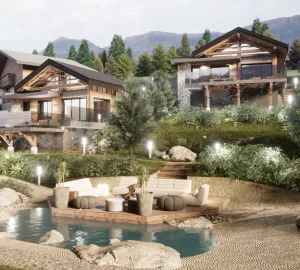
213 207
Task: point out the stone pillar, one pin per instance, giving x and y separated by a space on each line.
34 150
207 96
238 95
16 106
271 95
10 149
34 110
183 95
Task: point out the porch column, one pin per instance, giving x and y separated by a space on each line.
56 109
238 95
271 95
32 139
10 142
207 95
34 110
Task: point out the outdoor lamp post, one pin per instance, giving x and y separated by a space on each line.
150 148
143 88
290 99
217 147
84 143
39 173
99 117
296 82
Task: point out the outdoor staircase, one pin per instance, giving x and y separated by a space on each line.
177 170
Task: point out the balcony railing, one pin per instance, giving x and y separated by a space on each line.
7 81
246 72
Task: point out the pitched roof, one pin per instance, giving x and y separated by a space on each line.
37 60
83 74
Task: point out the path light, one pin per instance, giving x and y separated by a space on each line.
290 99
84 143
143 88
150 148
217 147
39 172
99 117
296 82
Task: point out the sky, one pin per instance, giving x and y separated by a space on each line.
30 24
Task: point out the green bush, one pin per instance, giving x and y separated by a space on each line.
23 166
255 163
17 186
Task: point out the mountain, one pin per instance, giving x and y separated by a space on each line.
285 29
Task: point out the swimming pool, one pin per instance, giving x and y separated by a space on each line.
30 224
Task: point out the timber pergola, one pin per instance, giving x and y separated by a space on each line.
29 133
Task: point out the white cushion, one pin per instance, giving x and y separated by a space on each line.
119 190
201 197
92 192
126 181
77 185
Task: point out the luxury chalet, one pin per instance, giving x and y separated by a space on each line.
237 67
52 102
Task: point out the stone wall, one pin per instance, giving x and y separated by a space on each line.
184 96
243 191
16 106
52 142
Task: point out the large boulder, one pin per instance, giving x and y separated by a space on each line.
51 237
131 254
194 223
298 222
9 197
182 154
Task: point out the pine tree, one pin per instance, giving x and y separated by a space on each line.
35 52
72 53
93 56
206 36
124 66
262 29
49 51
117 47
129 52
171 55
97 65
256 26
144 66
269 34
111 66
103 58
294 55
160 59
84 55
200 43
185 46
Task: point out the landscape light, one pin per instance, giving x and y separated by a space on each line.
217 147
150 148
39 172
6 155
295 82
143 88
63 128
290 99
99 117
84 143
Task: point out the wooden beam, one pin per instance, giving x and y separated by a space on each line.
271 95
32 139
30 88
238 95
234 52
8 139
207 95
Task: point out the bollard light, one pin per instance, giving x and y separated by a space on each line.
296 82
99 117
39 172
290 99
84 143
217 147
150 148
143 88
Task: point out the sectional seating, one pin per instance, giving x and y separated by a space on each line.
123 187
200 198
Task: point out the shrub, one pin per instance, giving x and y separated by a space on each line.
293 116
255 163
17 186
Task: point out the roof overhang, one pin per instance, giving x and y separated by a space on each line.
222 59
30 95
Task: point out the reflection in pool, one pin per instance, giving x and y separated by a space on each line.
29 225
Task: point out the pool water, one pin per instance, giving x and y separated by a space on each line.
29 225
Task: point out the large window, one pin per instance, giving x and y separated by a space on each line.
45 110
102 107
220 72
256 71
75 109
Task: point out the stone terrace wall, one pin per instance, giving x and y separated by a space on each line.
243 191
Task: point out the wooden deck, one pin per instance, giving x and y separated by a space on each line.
213 207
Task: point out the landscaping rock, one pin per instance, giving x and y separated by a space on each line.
182 154
9 197
200 222
114 240
51 237
131 254
298 222
5 235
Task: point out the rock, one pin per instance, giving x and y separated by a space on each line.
131 254
114 240
182 154
298 222
9 197
51 237
5 235
200 222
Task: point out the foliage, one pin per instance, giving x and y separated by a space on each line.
262 29
103 57
294 55
62 173
49 51
111 66
269 34
206 36
144 66
125 66
160 59
200 43
84 55
72 53
143 178
293 116
255 163
172 54
93 56
185 50
17 186
117 47
129 52
97 65
35 52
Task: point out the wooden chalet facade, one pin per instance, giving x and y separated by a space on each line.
238 67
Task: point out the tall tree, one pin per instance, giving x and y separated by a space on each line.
125 66
84 55
185 50
49 51
144 66
206 36
269 34
97 65
294 55
103 57
111 66
200 43
93 56
129 52
171 55
72 53
35 52
117 47
160 59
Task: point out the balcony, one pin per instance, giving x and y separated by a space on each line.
226 75
7 81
